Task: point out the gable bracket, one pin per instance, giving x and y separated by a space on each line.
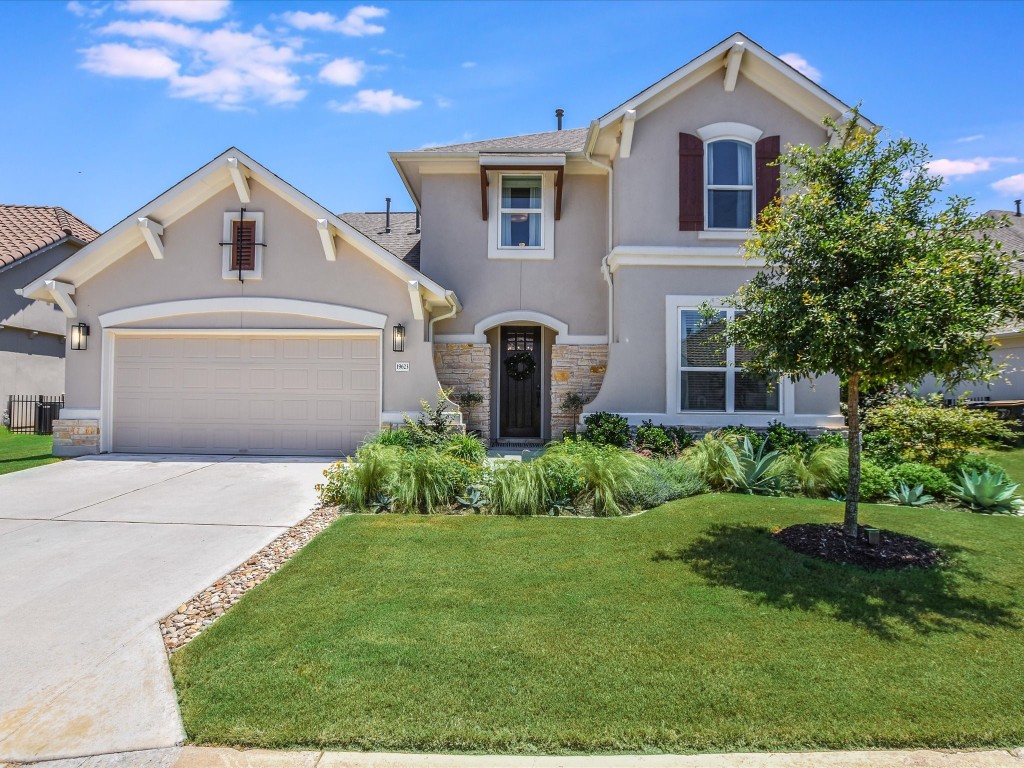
323 226
61 294
559 182
416 298
626 139
732 66
237 171
152 233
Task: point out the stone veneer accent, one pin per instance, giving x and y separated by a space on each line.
576 368
467 368
76 437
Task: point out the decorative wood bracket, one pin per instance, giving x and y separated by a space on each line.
323 226
525 169
732 66
626 140
237 171
152 233
61 294
416 298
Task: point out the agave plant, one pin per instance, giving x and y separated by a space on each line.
381 503
988 492
906 496
756 471
561 507
474 499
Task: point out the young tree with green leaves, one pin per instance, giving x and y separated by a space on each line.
868 277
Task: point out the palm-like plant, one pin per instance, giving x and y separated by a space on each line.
906 496
988 492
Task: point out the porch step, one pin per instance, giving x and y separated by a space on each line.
518 444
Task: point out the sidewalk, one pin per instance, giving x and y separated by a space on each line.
211 757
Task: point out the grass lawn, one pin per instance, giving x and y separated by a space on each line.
1012 461
18 451
683 629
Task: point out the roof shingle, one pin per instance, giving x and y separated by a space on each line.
24 229
403 240
570 140
1010 236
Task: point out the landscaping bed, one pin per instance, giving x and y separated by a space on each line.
829 542
21 451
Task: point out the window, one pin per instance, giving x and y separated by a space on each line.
522 211
730 184
242 246
711 375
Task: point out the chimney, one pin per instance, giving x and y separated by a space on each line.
387 216
1017 203
417 219
558 114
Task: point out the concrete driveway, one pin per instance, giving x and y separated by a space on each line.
93 553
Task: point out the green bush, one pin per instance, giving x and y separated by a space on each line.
818 471
831 440
334 490
709 459
519 488
609 475
875 481
740 431
660 440
561 476
924 430
932 479
972 462
782 438
663 480
607 429
400 438
883 448
434 425
466 447
425 479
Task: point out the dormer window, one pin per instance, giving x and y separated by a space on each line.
242 246
730 184
522 211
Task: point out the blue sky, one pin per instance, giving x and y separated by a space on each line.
109 103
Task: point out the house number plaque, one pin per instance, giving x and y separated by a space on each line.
401 367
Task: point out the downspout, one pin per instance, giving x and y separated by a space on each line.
452 301
606 272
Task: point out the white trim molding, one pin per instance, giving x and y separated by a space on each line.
256 273
546 250
79 413
523 161
685 256
512 317
335 312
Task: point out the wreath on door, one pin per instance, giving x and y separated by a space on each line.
520 366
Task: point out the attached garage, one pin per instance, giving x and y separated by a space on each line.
256 393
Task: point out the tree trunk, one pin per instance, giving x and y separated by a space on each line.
853 485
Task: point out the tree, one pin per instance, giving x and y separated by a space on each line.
868 277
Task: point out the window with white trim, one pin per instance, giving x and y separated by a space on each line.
711 375
729 184
522 211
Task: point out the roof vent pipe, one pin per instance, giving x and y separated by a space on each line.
1017 203
387 216
559 113
417 219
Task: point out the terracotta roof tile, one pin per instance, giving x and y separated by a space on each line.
403 240
24 229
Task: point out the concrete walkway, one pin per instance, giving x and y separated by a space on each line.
202 757
95 552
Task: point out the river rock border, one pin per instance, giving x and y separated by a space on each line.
199 612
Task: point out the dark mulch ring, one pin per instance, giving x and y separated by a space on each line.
828 542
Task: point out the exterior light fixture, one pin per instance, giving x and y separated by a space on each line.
398 338
79 336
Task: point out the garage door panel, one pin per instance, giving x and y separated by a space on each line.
242 394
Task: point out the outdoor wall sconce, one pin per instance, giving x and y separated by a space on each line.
79 336
398 338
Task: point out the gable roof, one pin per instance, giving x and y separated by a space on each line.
1010 234
25 229
194 190
403 240
569 140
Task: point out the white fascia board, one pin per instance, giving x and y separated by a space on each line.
555 158
152 232
396 161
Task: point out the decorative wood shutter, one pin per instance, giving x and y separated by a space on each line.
769 186
243 245
691 183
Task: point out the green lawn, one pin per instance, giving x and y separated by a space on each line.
1011 461
683 629
19 451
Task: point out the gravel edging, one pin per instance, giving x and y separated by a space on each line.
200 611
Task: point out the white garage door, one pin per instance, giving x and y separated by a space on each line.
253 394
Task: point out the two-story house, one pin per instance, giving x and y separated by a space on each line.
234 314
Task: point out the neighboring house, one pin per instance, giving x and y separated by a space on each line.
1009 233
33 239
234 314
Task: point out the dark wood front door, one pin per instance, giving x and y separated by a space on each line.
520 382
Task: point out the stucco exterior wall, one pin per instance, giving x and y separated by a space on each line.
1009 385
646 184
569 287
294 267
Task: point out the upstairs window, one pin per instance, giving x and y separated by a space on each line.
730 184
522 212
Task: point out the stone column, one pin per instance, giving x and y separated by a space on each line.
467 368
76 437
576 368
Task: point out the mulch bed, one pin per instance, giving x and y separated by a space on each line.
196 614
828 542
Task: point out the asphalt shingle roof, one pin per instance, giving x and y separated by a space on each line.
570 140
403 240
24 229
1011 236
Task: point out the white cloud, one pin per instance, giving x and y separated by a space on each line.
120 60
165 31
185 10
969 139
468 64
86 10
443 102
355 24
959 168
1013 185
382 102
801 65
344 71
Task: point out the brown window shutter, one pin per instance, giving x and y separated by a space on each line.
243 248
691 183
767 151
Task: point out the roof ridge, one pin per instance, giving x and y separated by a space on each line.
62 219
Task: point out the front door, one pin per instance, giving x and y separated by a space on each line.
520 382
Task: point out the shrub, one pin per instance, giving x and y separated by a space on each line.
333 491
882 447
561 476
400 438
426 479
831 440
371 474
434 424
519 488
988 492
740 431
663 480
818 471
927 431
875 481
660 440
607 429
781 438
972 462
708 458
609 475
932 479
465 447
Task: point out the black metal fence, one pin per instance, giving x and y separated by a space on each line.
33 414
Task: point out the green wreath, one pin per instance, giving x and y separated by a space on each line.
520 366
